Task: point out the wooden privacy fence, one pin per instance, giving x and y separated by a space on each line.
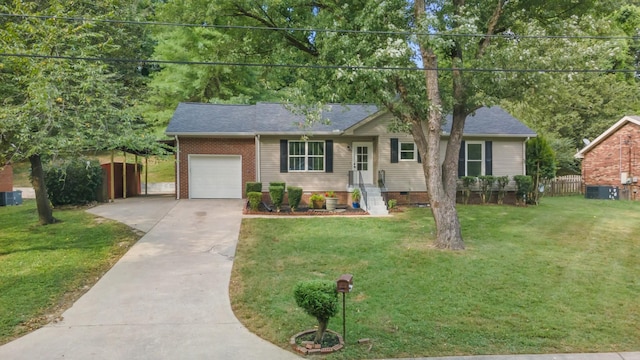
563 185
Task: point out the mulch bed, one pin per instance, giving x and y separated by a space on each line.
303 211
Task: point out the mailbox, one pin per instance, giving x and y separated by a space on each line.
345 283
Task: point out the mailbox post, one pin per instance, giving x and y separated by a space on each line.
344 284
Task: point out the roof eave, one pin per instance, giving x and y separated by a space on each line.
524 136
605 134
211 134
301 133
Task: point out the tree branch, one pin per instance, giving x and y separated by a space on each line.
491 27
267 21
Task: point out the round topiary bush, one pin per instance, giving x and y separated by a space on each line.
319 299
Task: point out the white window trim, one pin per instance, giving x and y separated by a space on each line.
466 157
400 151
307 156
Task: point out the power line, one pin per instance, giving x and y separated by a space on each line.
317 30
303 66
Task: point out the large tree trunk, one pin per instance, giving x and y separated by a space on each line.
440 191
45 213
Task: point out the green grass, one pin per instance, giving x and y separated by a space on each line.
560 277
43 269
161 169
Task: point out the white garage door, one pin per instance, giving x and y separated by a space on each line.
215 176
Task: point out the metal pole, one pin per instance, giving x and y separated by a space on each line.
344 322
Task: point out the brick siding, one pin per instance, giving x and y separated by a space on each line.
244 147
6 178
618 153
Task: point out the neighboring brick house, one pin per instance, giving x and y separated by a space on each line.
6 178
613 158
222 147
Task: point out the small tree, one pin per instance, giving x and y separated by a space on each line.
319 299
541 165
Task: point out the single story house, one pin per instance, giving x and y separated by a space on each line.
219 148
612 160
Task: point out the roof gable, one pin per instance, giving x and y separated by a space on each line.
635 119
275 119
491 121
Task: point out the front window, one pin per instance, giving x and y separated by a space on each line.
306 155
474 160
407 151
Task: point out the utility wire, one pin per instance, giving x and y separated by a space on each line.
303 66
317 30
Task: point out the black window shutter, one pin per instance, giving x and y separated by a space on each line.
328 156
461 158
419 157
488 158
394 150
284 156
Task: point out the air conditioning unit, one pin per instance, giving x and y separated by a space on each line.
602 192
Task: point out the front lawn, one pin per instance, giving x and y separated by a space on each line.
560 277
43 269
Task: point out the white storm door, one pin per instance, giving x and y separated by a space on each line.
215 176
363 162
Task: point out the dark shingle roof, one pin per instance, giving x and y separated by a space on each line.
271 118
491 121
262 118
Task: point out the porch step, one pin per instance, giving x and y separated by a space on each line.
375 203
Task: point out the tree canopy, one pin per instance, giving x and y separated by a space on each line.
56 100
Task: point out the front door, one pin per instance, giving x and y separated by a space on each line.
363 162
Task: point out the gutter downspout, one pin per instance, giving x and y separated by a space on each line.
258 160
177 168
524 156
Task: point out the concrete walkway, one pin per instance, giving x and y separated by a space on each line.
167 298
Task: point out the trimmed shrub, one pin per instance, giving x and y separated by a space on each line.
277 196
502 181
252 187
295 196
319 299
255 198
486 185
278 183
467 182
73 182
524 185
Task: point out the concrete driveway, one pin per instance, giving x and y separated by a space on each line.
167 298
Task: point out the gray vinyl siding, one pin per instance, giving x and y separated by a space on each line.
308 181
508 157
400 176
403 175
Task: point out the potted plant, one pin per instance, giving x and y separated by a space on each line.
316 201
355 198
331 200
